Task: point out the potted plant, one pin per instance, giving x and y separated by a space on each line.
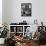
3 34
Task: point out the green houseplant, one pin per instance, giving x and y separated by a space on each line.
4 32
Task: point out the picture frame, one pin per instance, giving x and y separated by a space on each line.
26 9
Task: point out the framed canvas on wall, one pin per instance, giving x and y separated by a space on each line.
26 9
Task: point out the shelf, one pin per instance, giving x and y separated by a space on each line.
12 32
20 29
16 32
19 25
19 32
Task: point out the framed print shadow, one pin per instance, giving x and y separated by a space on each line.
26 9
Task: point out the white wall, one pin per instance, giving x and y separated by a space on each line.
0 13
39 10
12 10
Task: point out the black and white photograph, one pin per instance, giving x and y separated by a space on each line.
26 9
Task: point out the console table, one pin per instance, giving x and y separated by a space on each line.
21 29
18 29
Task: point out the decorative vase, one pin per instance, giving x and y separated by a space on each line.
2 40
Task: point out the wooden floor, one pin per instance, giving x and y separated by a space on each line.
42 45
34 44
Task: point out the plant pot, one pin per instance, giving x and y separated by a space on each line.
2 40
